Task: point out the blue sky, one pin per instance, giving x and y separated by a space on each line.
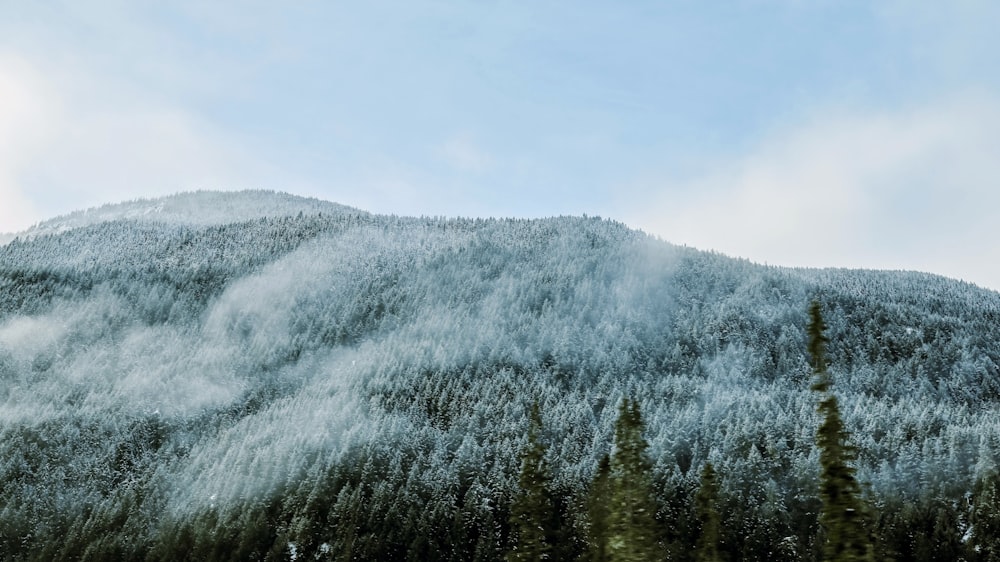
792 132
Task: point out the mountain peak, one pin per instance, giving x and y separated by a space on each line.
201 208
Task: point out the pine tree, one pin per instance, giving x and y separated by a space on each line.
986 516
532 514
598 508
843 514
632 514
707 549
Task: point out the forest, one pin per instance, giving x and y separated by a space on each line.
256 376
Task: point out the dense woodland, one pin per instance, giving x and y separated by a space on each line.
283 378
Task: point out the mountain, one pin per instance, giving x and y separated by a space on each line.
255 375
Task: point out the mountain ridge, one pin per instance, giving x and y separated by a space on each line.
201 207
189 208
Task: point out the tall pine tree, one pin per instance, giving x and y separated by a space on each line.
707 549
843 515
599 510
632 529
532 514
985 516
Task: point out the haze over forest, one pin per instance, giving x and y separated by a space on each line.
256 375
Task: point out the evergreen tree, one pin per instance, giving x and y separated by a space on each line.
986 517
532 513
707 549
631 517
842 517
598 508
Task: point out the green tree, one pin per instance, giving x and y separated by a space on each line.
986 516
705 501
598 508
632 514
532 513
843 515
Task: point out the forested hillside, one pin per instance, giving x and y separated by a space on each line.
281 378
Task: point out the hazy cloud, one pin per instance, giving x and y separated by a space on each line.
83 139
909 189
26 109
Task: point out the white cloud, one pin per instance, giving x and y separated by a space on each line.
25 105
71 139
911 189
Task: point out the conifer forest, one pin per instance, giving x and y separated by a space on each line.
257 376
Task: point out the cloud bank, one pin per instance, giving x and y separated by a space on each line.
70 139
906 189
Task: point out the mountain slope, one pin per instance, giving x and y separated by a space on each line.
266 379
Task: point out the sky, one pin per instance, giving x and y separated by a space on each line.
791 132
